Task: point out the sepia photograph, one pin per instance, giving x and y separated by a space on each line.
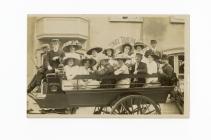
107 66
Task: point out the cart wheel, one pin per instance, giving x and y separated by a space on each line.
135 104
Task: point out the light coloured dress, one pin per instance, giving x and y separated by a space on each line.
152 68
70 73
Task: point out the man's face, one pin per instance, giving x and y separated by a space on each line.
138 58
55 46
138 48
153 45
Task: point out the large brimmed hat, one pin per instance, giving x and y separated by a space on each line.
74 43
151 53
126 44
104 51
122 57
97 49
91 61
75 57
141 44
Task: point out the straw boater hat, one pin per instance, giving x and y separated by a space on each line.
98 49
91 61
141 44
112 50
75 57
74 43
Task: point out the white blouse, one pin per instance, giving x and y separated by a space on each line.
71 72
152 67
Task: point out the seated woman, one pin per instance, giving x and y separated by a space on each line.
152 67
95 53
109 52
71 69
122 69
86 69
69 48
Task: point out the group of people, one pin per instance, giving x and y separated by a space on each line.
137 59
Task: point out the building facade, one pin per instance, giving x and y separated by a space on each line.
106 31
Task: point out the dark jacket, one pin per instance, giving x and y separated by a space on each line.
168 77
106 71
141 69
49 59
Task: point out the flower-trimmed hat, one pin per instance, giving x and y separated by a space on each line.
97 49
74 57
74 43
91 61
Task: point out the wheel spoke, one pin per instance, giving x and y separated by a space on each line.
131 102
126 109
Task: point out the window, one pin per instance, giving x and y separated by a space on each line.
181 64
171 61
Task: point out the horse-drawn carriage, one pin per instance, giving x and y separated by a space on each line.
136 100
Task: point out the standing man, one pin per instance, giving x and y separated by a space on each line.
51 62
153 47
